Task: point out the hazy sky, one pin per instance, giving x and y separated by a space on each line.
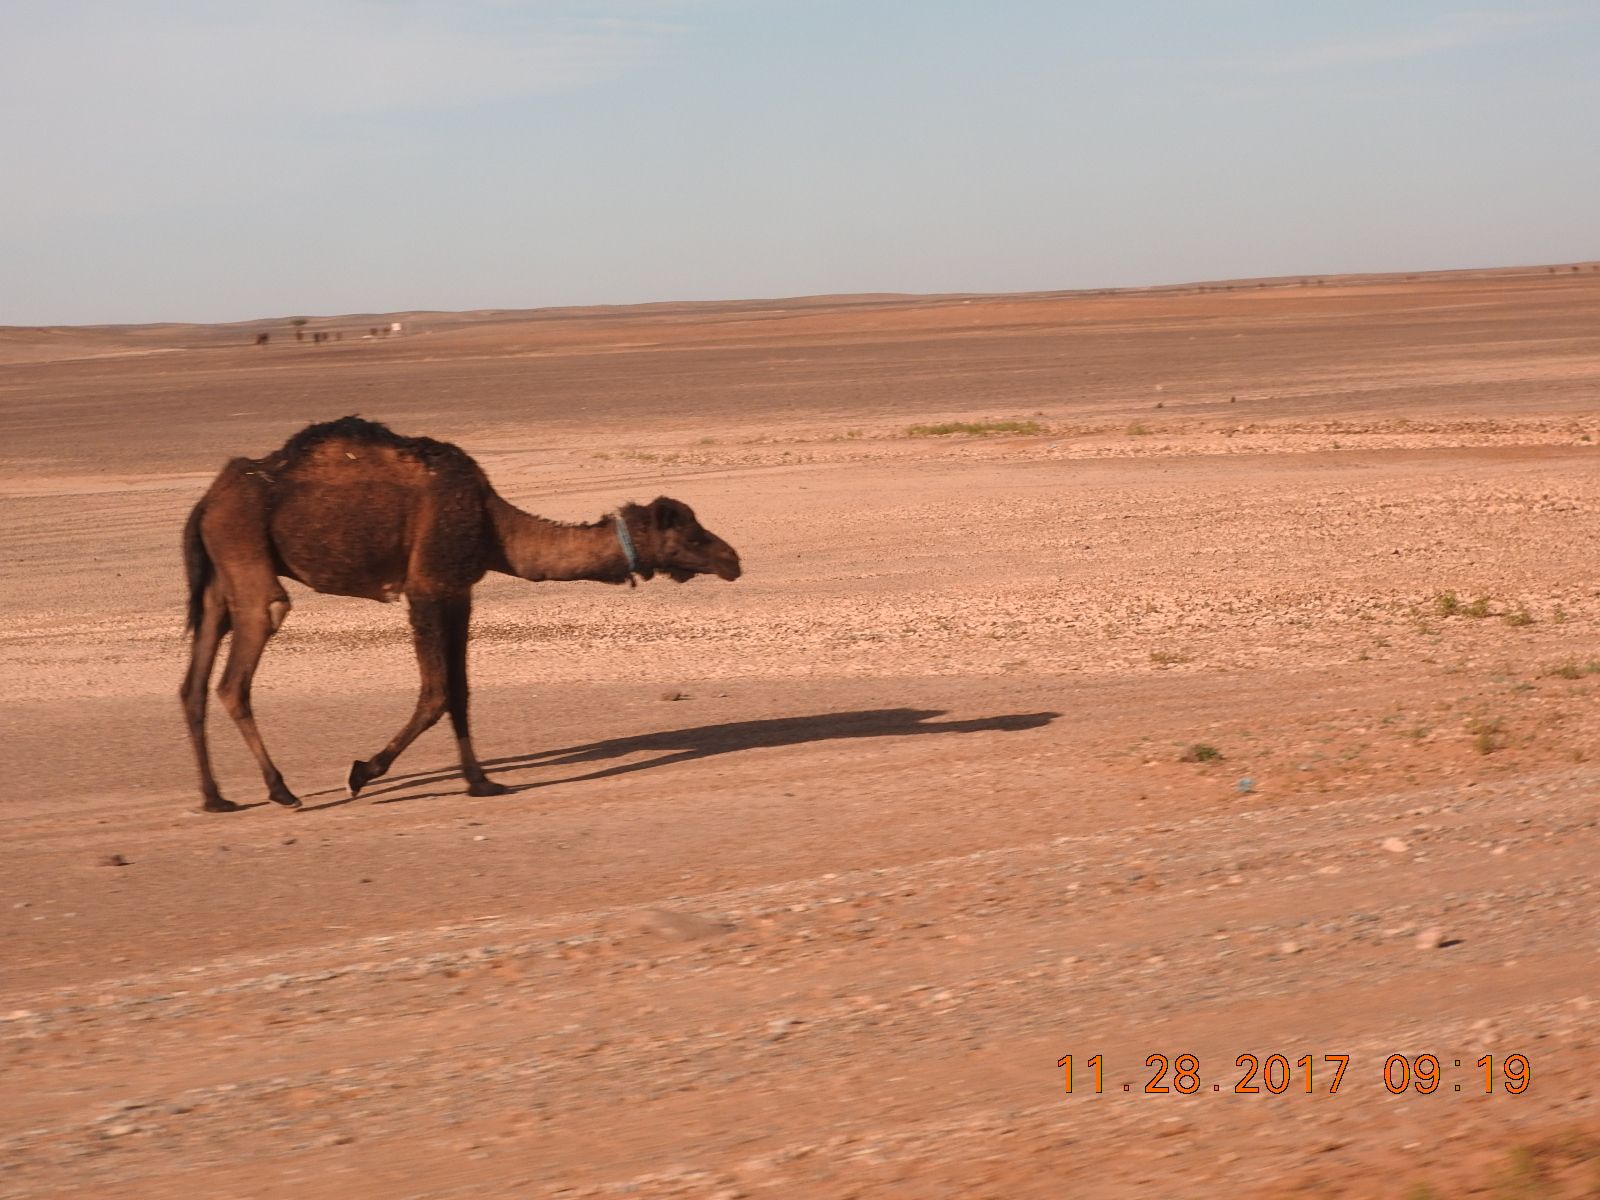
209 160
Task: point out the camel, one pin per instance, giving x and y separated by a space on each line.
350 508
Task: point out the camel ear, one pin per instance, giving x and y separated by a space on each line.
668 513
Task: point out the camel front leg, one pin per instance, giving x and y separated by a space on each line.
428 635
458 616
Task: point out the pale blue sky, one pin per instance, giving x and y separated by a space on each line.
207 160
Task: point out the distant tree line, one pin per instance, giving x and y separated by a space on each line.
319 336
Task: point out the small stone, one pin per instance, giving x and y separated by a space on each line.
674 695
1290 948
1431 938
1499 849
675 926
1246 785
335 1139
122 1130
288 842
478 837
780 1028
113 860
1394 845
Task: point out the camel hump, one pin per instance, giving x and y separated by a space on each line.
354 435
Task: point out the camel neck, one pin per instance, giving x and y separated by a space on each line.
536 548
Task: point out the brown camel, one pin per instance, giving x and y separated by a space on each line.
351 508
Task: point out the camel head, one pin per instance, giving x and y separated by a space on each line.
671 540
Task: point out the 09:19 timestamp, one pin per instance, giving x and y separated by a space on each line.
1276 1074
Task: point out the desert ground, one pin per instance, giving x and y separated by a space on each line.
1204 671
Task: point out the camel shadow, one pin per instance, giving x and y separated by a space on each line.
669 747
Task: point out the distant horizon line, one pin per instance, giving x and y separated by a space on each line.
1291 279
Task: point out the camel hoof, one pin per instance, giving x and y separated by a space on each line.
284 797
218 804
361 774
487 787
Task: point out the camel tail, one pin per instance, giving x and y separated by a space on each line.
197 565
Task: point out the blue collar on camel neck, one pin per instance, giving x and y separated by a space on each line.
626 541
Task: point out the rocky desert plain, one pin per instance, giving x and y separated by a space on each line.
1202 671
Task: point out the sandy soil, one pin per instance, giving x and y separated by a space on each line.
810 880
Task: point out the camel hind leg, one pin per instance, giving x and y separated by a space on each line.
253 624
208 634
